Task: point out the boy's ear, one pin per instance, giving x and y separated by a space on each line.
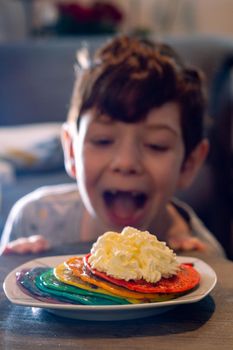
68 151
192 164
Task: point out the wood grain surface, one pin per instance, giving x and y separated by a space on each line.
207 324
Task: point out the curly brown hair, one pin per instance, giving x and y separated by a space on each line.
129 76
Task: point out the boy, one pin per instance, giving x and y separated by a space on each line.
133 137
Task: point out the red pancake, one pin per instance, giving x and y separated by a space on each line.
186 279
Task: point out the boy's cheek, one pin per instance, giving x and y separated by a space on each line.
192 165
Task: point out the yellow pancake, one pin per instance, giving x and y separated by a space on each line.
65 275
76 265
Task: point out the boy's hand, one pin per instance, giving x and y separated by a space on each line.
186 243
32 244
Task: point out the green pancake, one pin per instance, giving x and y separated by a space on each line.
48 283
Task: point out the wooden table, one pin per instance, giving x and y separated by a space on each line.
207 324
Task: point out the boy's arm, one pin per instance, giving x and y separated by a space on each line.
18 236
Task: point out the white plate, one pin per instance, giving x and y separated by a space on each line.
110 312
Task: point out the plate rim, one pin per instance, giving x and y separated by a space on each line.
28 301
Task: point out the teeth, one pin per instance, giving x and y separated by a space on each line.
134 194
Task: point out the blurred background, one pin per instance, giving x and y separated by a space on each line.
38 44
20 19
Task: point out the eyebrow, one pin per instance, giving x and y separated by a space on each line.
103 119
162 127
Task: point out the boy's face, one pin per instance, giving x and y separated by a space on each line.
127 173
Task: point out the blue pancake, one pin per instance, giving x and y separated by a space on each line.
26 282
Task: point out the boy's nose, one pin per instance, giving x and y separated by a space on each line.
127 160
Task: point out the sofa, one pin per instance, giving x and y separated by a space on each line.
36 78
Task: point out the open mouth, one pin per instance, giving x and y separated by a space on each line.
124 206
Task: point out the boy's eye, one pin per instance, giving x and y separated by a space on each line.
102 141
156 147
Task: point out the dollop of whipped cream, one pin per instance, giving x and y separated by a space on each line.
133 255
